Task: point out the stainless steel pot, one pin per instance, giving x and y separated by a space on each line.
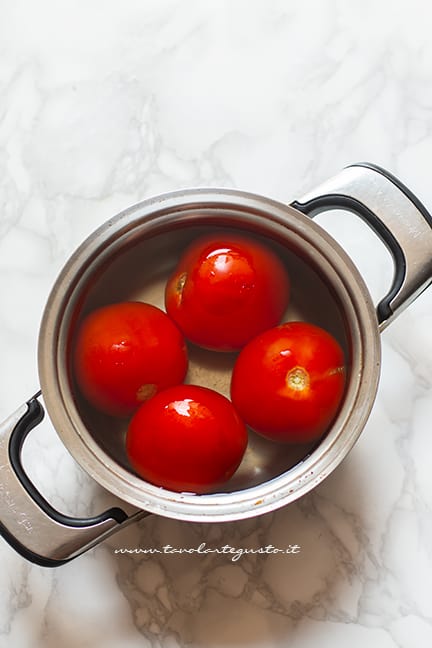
129 257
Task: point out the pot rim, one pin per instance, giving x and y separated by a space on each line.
243 210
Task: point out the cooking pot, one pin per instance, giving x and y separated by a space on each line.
129 257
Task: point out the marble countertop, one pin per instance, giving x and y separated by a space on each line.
103 104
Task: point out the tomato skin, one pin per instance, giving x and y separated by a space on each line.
186 438
226 289
125 353
287 384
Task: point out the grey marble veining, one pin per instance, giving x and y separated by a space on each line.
103 104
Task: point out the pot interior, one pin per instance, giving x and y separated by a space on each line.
138 271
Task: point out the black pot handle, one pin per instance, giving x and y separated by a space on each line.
395 214
27 521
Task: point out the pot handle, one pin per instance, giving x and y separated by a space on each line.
396 216
27 521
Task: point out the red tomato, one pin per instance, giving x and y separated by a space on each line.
226 289
125 353
186 438
288 382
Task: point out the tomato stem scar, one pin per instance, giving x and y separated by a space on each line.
145 392
297 379
180 284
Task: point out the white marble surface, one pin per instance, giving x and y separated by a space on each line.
105 103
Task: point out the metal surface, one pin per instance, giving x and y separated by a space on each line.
33 531
157 228
401 219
